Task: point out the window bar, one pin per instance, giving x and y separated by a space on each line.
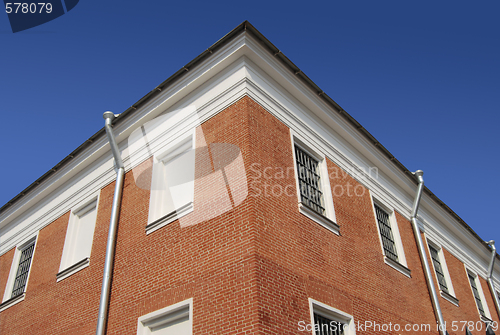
23 271
326 326
386 234
476 295
309 181
439 270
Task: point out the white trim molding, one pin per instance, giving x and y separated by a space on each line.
173 315
76 267
331 313
173 163
79 237
12 301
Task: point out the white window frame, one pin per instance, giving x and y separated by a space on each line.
481 294
328 220
7 300
68 267
165 315
401 264
450 296
157 218
333 314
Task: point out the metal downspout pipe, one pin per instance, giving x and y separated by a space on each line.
113 225
490 275
423 256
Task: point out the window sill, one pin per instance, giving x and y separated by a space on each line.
397 266
11 302
322 220
449 297
486 319
169 218
72 269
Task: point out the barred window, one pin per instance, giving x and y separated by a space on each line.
23 270
309 181
438 269
386 233
326 326
475 291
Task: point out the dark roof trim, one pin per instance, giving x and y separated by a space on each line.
247 27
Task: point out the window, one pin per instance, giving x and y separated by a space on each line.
79 238
478 295
441 272
330 321
19 274
173 320
390 240
172 185
309 181
23 270
438 269
313 185
386 233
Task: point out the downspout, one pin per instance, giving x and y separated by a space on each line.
113 224
423 255
490 275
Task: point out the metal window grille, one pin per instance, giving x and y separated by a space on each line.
23 270
309 181
476 294
326 326
439 270
386 233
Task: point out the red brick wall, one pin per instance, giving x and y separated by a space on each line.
250 270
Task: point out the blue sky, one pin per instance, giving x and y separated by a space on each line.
422 77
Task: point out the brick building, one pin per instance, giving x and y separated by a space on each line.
251 204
